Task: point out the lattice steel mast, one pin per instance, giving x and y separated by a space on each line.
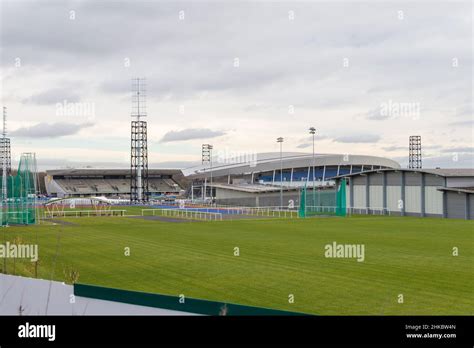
414 152
139 149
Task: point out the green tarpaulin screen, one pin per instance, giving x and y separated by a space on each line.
323 201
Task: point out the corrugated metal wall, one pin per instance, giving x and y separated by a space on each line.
376 196
413 199
394 195
456 205
433 200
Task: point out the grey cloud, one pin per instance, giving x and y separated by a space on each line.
169 83
447 161
257 107
376 115
63 163
405 148
459 149
281 62
175 164
463 123
358 138
394 148
304 146
308 141
66 163
53 96
193 50
317 137
190 134
49 130
465 110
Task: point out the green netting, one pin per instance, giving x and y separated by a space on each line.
323 201
19 205
341 199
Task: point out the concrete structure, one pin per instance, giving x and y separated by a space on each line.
248 195
254 179
412 192
108 182
264 168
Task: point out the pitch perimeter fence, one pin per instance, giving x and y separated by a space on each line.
197 212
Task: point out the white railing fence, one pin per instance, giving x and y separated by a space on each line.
79 213
183 214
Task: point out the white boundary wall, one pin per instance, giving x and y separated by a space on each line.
45 297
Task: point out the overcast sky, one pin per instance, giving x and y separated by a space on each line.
238 75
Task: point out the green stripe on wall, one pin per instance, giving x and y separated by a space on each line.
190 305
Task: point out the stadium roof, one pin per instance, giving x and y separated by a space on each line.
251 188
269 161
457 189
92 172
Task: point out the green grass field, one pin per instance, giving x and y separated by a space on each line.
409 256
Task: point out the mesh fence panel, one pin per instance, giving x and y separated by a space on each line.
323 201
19 207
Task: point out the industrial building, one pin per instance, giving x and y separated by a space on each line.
445 193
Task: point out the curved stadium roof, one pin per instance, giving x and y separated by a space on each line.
270 161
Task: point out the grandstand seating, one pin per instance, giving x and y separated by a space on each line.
266 178
300 174
356 169
112 186
318 173
344 170
331 171
285 177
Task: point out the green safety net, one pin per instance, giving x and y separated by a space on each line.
323 201
19 207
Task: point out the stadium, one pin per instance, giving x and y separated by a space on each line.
243 233
239 235
281 210
376 185
237 180
307 167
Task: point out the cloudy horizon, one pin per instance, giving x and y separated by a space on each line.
237 75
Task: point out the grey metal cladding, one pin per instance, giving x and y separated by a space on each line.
434 180
456 205
412 179
376 179
358 180
394 178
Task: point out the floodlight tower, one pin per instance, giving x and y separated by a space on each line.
414 152
207 159
139 149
